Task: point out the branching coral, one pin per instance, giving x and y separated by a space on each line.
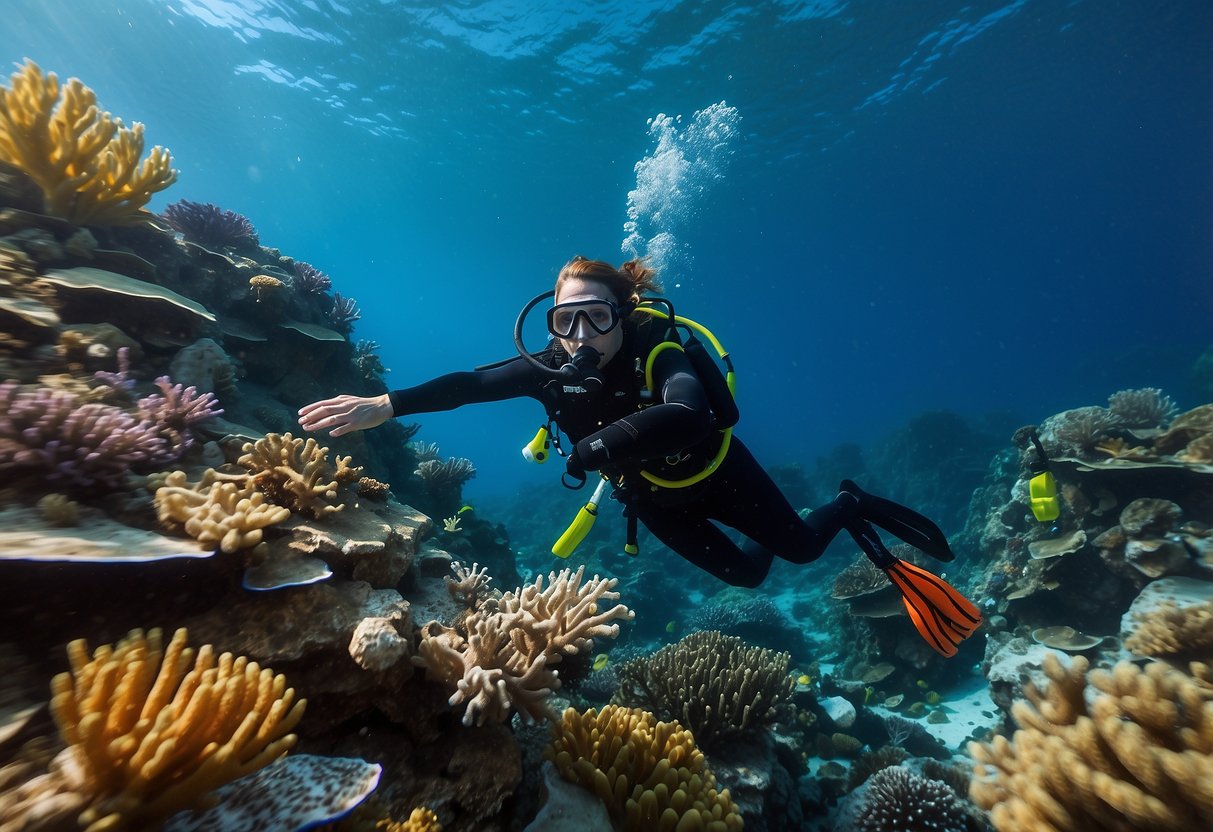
296 473
649 774
49 433
1137 755
215 512
210 226
311 281
469 585
508 656
1173 632
710 682
1146 407
1078 430
451 473
344 312
86 162
153 730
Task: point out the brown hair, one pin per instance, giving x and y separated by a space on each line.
627 283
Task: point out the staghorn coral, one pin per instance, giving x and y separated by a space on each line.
507 659
175 410
343 314
294 473
469 585
369 365
210 226
216 512
710 682
649 774
311 281
1146 407
452 473
151 730
86 162
1172 632
1137 755
50 433
898 800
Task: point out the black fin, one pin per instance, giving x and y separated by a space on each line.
901 522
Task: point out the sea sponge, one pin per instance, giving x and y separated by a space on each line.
86 162
1136 755
712 683
153 730
216 512
650 774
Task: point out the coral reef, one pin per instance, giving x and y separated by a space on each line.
209 225
86 162
650 774
507 658
712 683
151 729
1137 755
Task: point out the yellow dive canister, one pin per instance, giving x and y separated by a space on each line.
1042 494
537 450
581 525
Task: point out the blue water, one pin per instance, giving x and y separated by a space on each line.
980 206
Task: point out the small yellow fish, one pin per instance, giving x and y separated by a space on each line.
600 661
672 627
804 679
465 508
922 683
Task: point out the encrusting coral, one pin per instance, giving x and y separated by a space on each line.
650 774
296 474
511 647
151 730
1136 756
216 512
712 683
86 162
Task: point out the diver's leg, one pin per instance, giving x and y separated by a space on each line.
689 533
746 498
900 521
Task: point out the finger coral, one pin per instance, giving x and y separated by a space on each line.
152 729
296 473
87 163
712 683
650 774
506 660
1137 755
216 513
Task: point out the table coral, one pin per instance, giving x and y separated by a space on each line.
650 774
712 683
153 729
1137 755
86 162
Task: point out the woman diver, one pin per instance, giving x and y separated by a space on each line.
657 424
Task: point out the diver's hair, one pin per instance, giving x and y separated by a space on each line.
627 283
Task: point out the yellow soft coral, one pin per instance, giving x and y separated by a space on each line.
1138 756
421 820
295 473
649 774
152 730
86 162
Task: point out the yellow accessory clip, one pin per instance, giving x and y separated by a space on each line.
537 450
581 525
1042 493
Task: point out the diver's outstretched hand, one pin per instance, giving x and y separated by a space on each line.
345 414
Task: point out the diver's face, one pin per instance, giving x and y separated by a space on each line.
583 334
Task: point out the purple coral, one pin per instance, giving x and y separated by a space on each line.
47 431
211 226
175 409
344 313
312 281
121 381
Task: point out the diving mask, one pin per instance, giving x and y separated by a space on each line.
601 315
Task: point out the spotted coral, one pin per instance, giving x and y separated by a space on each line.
153 729
712 683
86 162
1138 754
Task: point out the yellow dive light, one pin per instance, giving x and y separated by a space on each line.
581 525
1042 494
537 449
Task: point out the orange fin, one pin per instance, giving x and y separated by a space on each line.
942 615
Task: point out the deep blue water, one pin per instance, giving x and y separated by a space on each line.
979 206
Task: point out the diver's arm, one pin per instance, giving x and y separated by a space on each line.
682 419
345 413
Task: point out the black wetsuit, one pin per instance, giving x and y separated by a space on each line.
674 438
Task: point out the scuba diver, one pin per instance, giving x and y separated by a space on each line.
650 411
